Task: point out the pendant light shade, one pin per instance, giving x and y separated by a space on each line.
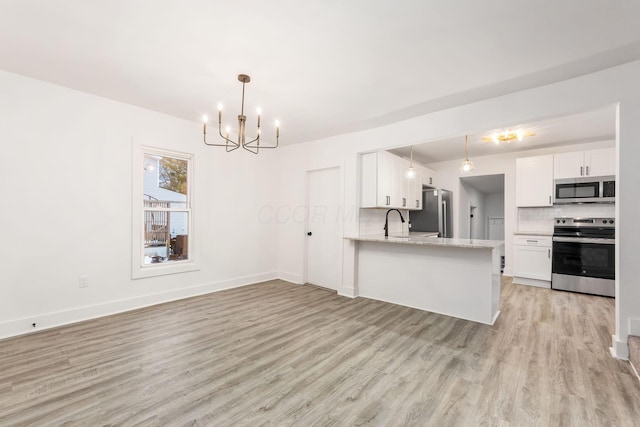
467 165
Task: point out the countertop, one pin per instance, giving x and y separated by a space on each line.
418 238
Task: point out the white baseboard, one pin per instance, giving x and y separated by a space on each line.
619 349
508 271
531 282
347 291
43 321
291 277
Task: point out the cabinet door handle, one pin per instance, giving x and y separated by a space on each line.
549 199
581 169
417 203
587 170
548 253
532 241
388 200
404 201
430 180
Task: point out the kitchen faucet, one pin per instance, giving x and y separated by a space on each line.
386 221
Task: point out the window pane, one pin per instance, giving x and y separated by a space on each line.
165 181
166 236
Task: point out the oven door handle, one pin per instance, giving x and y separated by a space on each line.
584 240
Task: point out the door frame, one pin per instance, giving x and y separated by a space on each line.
341 211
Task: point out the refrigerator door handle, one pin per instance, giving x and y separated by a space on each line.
444 218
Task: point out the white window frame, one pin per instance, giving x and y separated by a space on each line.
140 270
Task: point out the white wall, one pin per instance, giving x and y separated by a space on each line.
66 169
494 204
468 197
614 86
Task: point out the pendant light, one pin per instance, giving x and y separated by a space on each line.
467 165
411 173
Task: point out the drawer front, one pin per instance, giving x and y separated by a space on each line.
544 241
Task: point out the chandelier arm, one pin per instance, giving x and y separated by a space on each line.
264 146
228 141
211 144
250 149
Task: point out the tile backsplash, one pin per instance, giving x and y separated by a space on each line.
372 221
541 219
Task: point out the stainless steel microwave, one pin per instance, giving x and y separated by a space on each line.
585 190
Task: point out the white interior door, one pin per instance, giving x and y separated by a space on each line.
324 228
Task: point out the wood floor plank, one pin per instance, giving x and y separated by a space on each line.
275 353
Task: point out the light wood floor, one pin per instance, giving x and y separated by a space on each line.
283 354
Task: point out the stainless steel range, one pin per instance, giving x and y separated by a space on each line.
584 255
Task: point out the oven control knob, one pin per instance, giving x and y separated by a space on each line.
563 221
604 221
610 221
557 221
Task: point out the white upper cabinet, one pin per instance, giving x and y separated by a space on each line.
385 182
428 176
585 163
534 181
600 162
414 195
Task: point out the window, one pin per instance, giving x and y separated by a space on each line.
162 213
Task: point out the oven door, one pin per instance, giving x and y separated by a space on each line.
584 257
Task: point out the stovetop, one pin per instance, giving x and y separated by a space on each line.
585 222
603 228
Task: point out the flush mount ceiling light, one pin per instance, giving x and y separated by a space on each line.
253 145
507 136
467 165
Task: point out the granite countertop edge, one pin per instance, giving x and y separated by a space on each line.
429 241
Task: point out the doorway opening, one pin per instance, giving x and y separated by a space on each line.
483 198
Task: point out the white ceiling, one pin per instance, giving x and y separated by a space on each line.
592 126
323 67
487 184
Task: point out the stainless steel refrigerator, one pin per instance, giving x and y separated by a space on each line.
436 214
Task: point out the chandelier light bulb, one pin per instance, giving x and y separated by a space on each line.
411 173
219 106
259 110
228 129
205 119
277 123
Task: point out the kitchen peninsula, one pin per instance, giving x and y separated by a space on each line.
455 277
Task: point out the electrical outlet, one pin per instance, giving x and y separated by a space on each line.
84 281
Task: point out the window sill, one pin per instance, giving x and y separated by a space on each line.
140 272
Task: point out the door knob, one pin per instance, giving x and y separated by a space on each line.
309 233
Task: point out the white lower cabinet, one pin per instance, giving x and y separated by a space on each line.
532 260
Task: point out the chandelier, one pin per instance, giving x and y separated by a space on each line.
254 145
507 136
